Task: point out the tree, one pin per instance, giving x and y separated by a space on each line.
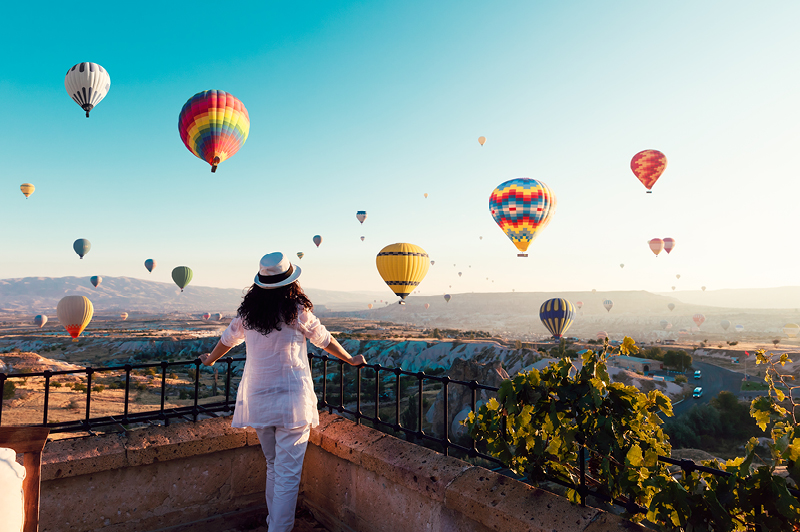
437 334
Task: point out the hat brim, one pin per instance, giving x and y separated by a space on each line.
289 280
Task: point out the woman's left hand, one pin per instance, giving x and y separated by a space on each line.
206 359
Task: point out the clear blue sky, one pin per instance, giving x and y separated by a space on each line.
369 105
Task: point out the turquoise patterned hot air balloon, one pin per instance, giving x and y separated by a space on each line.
300 254
182 275
81 247
557 314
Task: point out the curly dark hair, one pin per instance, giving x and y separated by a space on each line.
264 310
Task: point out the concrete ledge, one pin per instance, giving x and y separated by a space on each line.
359 479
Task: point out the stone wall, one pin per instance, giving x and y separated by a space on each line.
208 476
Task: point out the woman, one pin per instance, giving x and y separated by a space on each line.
276 395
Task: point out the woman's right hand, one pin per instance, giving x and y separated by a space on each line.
357 360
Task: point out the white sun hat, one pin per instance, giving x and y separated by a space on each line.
275 271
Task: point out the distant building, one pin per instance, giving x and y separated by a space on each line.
640 365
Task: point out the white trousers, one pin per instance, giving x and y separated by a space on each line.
284 450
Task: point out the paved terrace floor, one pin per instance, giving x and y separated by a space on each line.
304 522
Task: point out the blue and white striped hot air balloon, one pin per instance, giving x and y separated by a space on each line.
557 314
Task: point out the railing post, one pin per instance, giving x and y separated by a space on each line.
377 392
196 410
473 385
2 391
163 390
127 392
421 381
341 386
89 372
229 360
397 424
325 384
47 375
358 395
446 409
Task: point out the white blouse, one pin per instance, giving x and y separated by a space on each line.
276 388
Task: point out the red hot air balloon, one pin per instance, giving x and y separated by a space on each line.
579 304
647 166
698 319
669 244
656 246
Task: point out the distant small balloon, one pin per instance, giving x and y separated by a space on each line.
791 330
677 276
362 238
671 306
81 247
656 246
96 280
123 316
300 254
608 304
433 262
664 324
74 313
27 189
447 298
217 316
669 245
317 240
703 288
621 265
578 304
369 306
698 319
673 288
40 320
725 324
481 140
426 194
207 316
459 274
150 264
427 306
739 328
361 216
182 275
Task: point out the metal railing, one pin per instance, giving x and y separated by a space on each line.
379 394
87 423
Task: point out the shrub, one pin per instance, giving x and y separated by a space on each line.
79 387
8 390
98 388
681 379
54 384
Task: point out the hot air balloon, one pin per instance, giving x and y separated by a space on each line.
725 324
27 189
671 307
361 216
669 245
217 316
40 320
703 288
481 140
427 306
522 207
579 304
557 314
673 288
207 316
123 316
182 275
602 335
698 319
213 125
621 266
150 264
426 195
594 290
402 266
647 166
317 240
447 298
433 262
608 304
459 274
791 329
369 306
81 247
677 276
664 324
300 254
87 84
74 313
739 328
362 238
656 245
95 280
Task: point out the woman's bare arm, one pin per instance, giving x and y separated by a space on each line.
335 348
219 351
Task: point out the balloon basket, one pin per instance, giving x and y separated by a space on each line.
74 339
522 255
649 191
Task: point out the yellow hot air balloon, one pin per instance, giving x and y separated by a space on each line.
27 189
403 267
75 313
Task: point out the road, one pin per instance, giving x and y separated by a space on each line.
714 380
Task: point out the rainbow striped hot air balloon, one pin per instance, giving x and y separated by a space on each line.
647 166
557 314
522 207
214 125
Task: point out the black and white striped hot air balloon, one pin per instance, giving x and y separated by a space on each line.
87 84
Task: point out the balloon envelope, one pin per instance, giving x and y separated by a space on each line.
369 306
647 166
671 306
300 254
703 288
739 328
124 316
96 280
698 319
791 329
677 276
602 335
27 189
217 316
75 313
656 245
182 275
669 244
87 84
522 208
207 316
362 238
621 265
361 216
481 140
447 298
81 247
427 306
150 264
608 304
579 304
40 320
725 324
402 266
317 240
426 194
213 125
557 314
664 324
